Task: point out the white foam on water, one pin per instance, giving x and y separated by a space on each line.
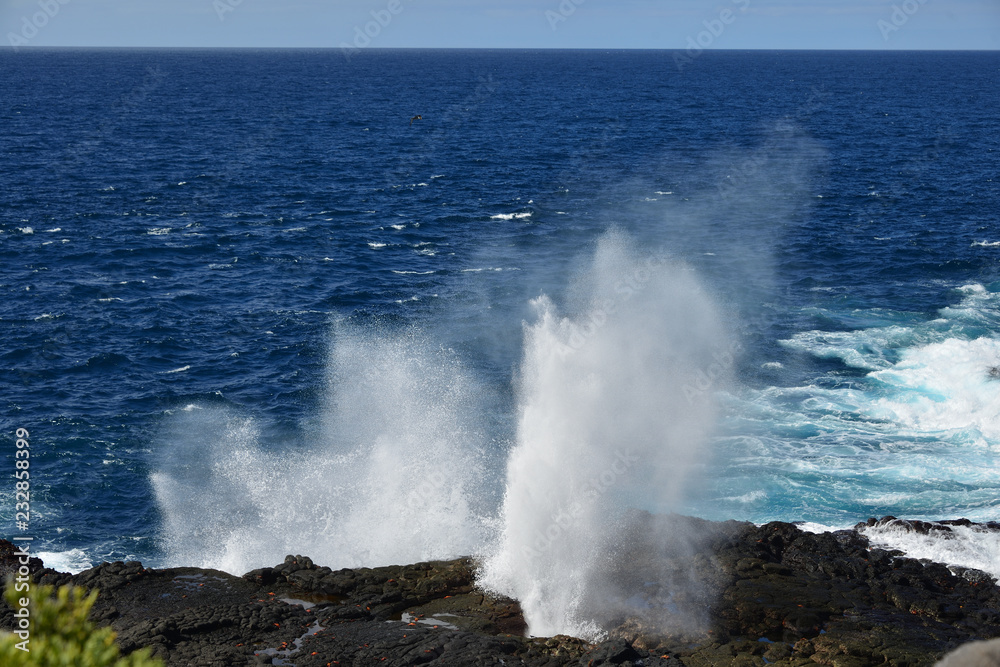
816 528
915 434
945 386
963 546
73 561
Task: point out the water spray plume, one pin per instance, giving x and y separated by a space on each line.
400 474
615 408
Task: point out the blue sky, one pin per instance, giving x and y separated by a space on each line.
663 24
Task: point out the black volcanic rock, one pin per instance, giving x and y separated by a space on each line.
11 563
678 591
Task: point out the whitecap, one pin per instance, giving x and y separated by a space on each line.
747 498
178 370
73 561
964 546
373 244
511 216
816 528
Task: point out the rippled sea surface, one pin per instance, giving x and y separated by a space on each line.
198 249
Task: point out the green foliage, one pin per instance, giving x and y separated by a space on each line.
60 635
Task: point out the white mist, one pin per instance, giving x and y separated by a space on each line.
614 411
400 474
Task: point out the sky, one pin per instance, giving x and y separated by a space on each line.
604 24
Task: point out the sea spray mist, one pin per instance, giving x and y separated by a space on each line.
399 472
614 412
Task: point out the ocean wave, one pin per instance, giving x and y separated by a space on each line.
961 546
73 561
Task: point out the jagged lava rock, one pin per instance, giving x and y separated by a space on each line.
679 591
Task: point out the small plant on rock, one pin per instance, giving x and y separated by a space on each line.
57 632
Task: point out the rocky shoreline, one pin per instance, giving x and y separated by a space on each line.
737 594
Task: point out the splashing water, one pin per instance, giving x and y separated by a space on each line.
401 474
615 407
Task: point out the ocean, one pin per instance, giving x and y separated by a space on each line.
252 306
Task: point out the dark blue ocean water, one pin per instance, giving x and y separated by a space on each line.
197 249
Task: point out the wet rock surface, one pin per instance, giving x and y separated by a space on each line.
682 592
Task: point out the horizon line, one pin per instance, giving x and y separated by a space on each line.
491 48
